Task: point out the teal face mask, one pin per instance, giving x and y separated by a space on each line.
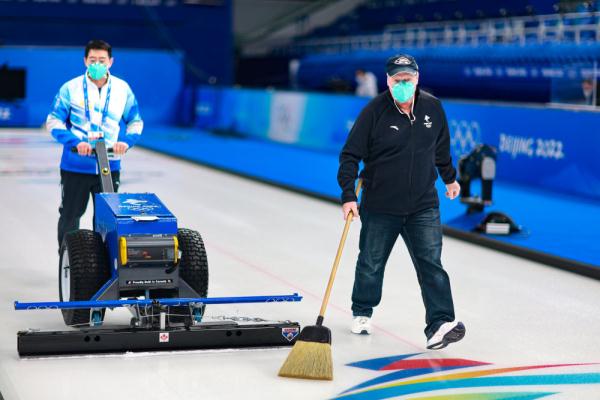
97 71
403 91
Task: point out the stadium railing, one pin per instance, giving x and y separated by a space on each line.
572 27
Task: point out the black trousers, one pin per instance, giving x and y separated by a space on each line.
76 189
422 234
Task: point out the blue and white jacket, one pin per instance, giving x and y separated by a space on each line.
68 124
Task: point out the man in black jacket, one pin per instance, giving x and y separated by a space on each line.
402 137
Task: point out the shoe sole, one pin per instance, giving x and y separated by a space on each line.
453 336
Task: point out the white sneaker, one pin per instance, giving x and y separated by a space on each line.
361 325
448 332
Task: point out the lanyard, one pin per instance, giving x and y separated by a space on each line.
87 105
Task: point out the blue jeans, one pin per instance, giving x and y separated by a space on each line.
422 234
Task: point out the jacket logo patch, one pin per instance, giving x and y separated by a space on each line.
394 127
427 122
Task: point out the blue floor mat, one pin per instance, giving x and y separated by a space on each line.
553 224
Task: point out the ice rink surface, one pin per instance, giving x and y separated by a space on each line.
263 240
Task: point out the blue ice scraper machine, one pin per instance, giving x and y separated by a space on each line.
138 258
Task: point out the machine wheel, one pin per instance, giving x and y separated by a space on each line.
193 268
82 271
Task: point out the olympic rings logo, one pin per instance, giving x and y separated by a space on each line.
464 137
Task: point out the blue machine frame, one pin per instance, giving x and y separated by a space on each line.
64 305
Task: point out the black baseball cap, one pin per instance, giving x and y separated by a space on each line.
401 63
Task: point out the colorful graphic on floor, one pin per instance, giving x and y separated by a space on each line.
406 366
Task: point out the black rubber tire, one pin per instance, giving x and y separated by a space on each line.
89 270
193 268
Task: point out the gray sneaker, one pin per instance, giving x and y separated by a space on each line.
448 332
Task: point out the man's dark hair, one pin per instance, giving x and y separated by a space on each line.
98 45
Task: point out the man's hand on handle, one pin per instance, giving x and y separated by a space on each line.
120 148
350 206
452 190
84 149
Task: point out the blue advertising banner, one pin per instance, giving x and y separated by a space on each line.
12 114
539 147
316 121
240 111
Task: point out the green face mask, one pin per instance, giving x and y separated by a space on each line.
97 71
403 91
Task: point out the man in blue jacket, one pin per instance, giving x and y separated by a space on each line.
403 139
86 108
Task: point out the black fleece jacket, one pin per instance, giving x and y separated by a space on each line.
400 156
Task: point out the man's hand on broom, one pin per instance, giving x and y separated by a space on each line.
350 206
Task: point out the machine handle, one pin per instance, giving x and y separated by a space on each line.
101 153
108 150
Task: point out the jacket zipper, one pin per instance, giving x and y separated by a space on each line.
412 118
412 153
410 167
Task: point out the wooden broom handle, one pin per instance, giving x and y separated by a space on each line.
338 256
